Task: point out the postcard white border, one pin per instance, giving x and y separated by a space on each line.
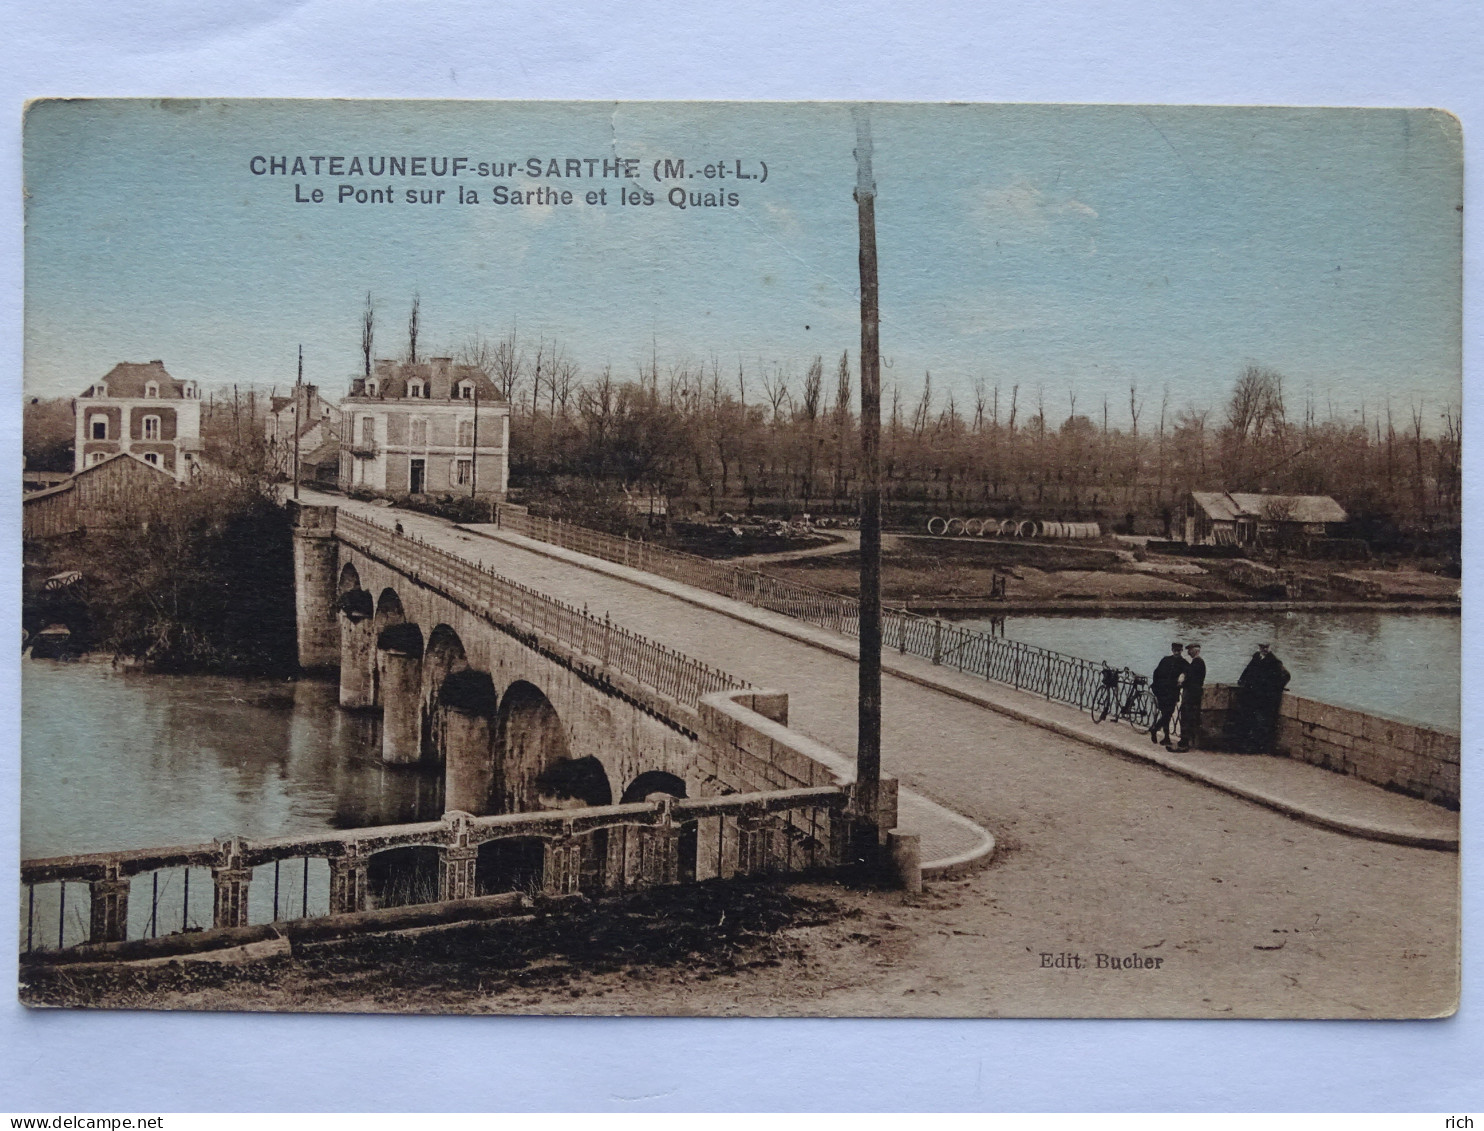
1421 53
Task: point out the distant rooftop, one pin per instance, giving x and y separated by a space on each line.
440 377
132 379
1228 506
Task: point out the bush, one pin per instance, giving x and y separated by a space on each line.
196 579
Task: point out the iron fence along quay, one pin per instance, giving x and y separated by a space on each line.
483 591
1054 676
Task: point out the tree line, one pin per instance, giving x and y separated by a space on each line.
759 437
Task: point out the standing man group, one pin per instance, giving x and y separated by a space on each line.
1181 683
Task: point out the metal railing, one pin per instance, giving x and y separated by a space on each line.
1054 676
486 593
603 849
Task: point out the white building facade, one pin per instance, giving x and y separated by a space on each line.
425 428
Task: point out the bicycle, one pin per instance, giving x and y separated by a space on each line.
1136 706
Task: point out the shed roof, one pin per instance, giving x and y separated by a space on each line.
1228 506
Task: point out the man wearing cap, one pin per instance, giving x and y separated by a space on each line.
1191 693
1259 696
1165 686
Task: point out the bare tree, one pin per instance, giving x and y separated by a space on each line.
505 366
368 333
775 388
842 391
924 406
412 329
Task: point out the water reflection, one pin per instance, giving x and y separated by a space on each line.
114 759
1398 664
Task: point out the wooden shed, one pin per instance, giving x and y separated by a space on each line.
96 498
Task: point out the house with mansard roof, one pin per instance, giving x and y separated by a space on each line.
139 408
425 428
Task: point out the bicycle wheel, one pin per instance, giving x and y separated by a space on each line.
1102 703
1142 711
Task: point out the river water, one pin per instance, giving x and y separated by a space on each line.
1397 664
116 759
122 759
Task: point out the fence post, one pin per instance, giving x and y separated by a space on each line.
230 880
109 918
937 640
347 881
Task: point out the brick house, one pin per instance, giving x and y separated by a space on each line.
142 410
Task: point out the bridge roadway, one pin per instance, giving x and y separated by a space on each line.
1253 912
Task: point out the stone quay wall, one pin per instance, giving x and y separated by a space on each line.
1414 760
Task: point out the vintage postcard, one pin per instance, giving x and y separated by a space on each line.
741 559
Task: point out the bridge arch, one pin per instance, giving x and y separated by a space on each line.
443 655
350 578
659 783
652 782
389 608
530 740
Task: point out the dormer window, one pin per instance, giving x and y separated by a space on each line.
373 388
417 388
466 390
152 389
100 390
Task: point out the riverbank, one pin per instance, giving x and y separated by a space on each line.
978 606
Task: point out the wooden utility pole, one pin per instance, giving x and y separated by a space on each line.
868 725
298 400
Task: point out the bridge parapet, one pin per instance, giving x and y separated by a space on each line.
784 831
610 647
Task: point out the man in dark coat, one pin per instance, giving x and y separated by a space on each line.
1259 696
1191 693
1165 686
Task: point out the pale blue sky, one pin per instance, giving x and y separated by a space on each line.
1057 247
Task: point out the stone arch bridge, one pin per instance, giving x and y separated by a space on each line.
576 757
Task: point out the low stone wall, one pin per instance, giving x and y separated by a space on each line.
747 746
1415 760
